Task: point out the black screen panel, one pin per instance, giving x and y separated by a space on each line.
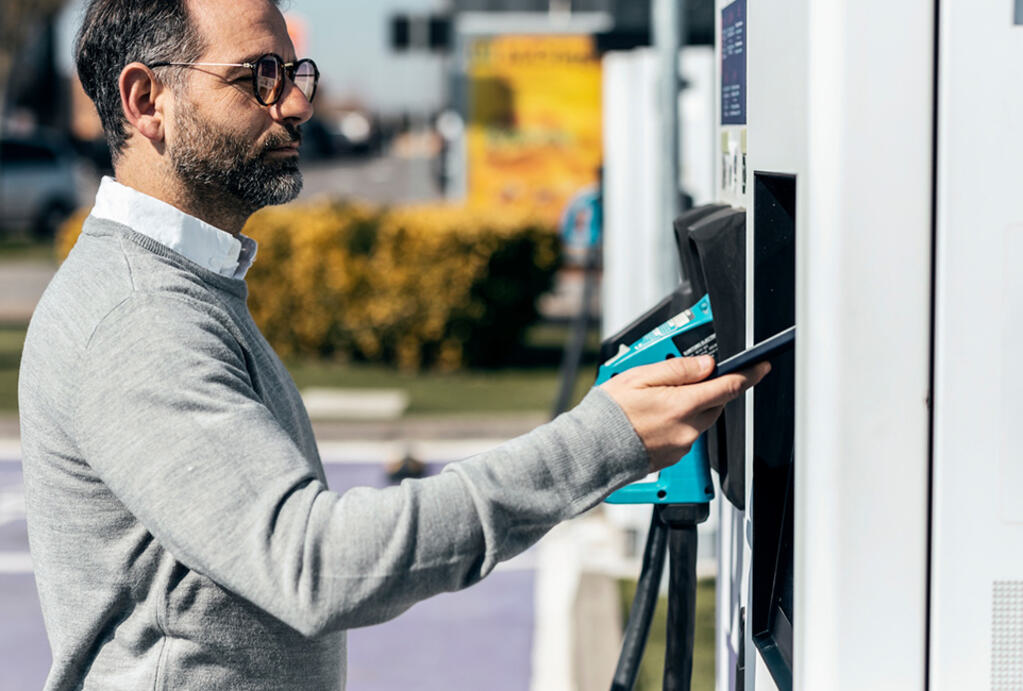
774 309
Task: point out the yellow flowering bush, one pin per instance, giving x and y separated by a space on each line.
430 285
68 232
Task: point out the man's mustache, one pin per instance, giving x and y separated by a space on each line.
292 134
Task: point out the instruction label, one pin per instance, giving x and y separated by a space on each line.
733 64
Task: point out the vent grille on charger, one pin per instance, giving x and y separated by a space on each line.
1007 636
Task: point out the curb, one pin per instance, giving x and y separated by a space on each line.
357 451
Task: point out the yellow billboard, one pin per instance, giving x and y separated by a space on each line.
534 126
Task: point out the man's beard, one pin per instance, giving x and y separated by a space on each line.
210 160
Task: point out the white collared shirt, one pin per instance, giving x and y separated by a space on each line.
191 237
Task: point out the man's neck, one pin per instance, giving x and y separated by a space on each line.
216 207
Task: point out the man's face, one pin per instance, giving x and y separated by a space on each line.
222 140
209 158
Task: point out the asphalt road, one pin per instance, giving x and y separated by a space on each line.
21 285
479 638
380 180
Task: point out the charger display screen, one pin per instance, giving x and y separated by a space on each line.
733 64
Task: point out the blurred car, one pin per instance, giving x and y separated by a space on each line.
344 133
317 141
356 133
37 184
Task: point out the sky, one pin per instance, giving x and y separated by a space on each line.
349 41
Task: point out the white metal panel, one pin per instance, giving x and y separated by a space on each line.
729 583
776 67
763 679
777 96
639 252
699 132
978 487
732 584
733 566
840 94
863 314
775 141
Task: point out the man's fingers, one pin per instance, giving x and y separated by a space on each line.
669 404
721 390
676 371
703 421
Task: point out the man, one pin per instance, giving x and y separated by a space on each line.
181 530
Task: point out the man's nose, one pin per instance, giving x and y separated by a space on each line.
293 106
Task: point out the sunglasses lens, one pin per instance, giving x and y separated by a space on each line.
269 79
305 78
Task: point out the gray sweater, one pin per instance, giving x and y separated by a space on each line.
181 530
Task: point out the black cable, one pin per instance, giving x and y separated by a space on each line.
638 626
681 520
678 653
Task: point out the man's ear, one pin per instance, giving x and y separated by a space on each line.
142 97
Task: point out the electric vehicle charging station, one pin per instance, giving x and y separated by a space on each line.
869 524
865 121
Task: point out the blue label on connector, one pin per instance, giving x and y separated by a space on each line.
676 337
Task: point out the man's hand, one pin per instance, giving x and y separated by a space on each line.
669 404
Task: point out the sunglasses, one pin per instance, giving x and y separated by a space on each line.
268 72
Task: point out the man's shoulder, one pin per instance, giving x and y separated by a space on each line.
109 276
90 282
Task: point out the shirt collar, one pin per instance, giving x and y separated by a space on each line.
191 237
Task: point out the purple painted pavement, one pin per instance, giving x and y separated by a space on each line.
24 651
480 638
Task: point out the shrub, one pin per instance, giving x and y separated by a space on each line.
67 233
431 285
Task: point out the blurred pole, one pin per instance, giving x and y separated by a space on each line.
668 22
573 355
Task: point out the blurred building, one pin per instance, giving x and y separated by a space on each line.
36 91
524 77
628 17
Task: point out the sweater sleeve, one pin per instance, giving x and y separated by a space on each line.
168 418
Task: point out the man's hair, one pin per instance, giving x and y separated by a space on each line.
115 33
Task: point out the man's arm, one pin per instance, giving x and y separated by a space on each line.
168 418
